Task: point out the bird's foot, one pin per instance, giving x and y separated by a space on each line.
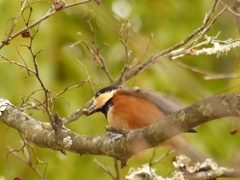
114 136
116 133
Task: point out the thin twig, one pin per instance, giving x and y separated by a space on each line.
152 162
228 89
24 103
106 169
18 64
28 157
37 75
96 50
191 36
93 48
117 169
208 75
145 52
49 14
86 72
8 35
209 27
124 38
217 49
25 64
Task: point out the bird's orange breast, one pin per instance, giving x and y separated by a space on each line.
132 112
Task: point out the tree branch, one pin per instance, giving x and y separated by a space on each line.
207 170
122 149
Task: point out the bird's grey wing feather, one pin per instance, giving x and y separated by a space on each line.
166 105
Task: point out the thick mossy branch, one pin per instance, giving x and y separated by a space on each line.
124 147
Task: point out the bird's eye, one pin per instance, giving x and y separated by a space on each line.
97 94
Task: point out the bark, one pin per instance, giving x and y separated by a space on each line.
122 147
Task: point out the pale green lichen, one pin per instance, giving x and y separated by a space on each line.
206 110
67 142
181 116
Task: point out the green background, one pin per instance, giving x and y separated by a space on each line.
169 21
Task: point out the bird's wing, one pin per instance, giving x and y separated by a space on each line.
166 105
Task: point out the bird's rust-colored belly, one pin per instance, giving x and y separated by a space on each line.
132 112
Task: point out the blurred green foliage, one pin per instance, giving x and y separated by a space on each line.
169 21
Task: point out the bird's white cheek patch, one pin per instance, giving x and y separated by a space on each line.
102 99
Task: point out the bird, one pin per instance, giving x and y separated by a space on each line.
133 108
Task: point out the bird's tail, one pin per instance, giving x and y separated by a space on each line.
183 147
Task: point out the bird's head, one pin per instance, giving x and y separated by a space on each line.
101 100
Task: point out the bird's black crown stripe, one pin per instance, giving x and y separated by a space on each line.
106 89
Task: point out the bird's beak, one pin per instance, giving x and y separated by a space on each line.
90 110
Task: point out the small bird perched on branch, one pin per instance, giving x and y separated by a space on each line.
133 108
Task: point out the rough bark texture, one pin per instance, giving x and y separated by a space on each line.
122 148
